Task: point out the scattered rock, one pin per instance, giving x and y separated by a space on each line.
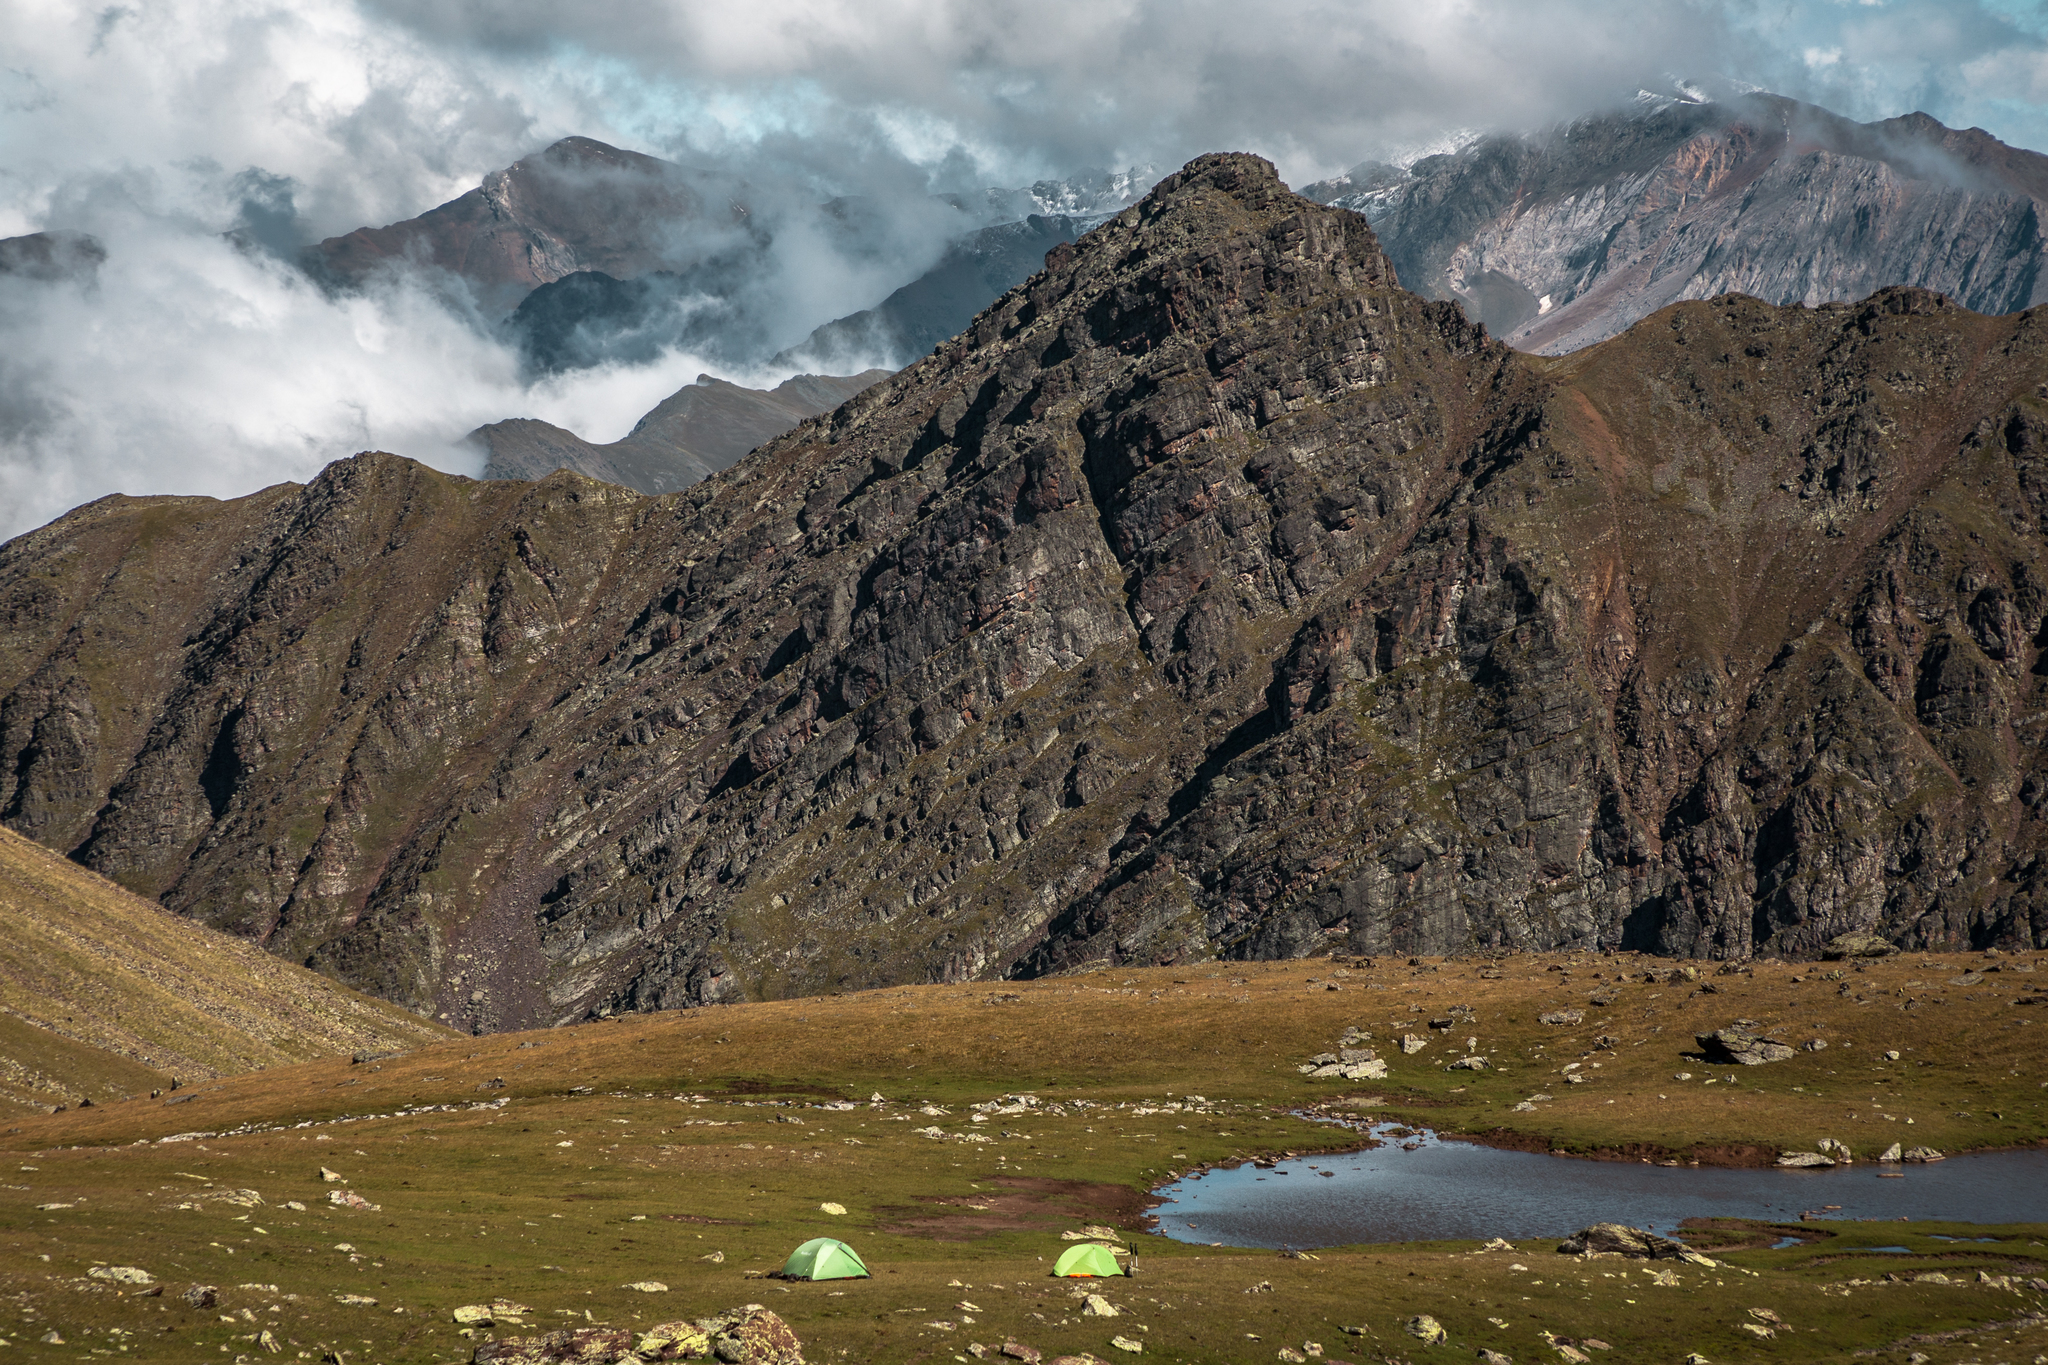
1856 945
573 1346
714 1257
1561 1017
1017 1350
836 1210
356 1300
1738 1046
331 1177
486 1314
1288 1353
1892 1056
1474 1062
1426 1329
749 1335
1126 1344
122 1274
647 1286
1494 1357
201 1296
1815 1045
1922 1154
1097 1306
51 1338
349 1199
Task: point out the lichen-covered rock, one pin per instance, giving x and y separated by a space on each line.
1737 1045
1211 594
748 1335
1620 1239
571 1346
1858 945
1426 1329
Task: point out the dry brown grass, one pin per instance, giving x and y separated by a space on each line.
106 995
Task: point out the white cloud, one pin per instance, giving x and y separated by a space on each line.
193 367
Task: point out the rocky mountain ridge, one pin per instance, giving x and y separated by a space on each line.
1560 240
693 433
1210 594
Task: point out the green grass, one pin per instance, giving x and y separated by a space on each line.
479 1204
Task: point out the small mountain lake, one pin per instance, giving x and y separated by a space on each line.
1445 1190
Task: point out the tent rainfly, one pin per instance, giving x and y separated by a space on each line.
824 1258
1087 1259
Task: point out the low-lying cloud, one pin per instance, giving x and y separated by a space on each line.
204 143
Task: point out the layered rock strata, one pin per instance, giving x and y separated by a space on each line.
1210 594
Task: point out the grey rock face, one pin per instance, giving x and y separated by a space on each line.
1559 241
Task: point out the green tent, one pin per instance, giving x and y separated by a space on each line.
824 1258
1087 1258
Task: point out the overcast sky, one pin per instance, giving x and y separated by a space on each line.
191 366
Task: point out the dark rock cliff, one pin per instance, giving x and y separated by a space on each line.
1209 594
1562 240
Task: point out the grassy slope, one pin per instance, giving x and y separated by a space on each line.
557 1199
105 995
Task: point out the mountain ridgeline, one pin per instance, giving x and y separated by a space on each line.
1211 594
1564 239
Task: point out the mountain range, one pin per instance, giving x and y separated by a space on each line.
1566 238
1209 594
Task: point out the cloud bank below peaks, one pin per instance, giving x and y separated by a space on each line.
204 143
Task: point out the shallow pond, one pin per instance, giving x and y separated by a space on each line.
1445 1190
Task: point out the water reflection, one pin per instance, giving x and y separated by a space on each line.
1462 1190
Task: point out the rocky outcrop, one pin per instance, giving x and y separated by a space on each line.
1568 238
1210 594
694 433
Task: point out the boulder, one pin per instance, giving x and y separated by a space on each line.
1736 1045
1922 1154
1427 1329
201 1296
1857 944
1622 1240
122 1274
1412 1043
1364 1071
1474 1062
1795 1159
1892 1153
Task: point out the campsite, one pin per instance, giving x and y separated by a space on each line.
962 1139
